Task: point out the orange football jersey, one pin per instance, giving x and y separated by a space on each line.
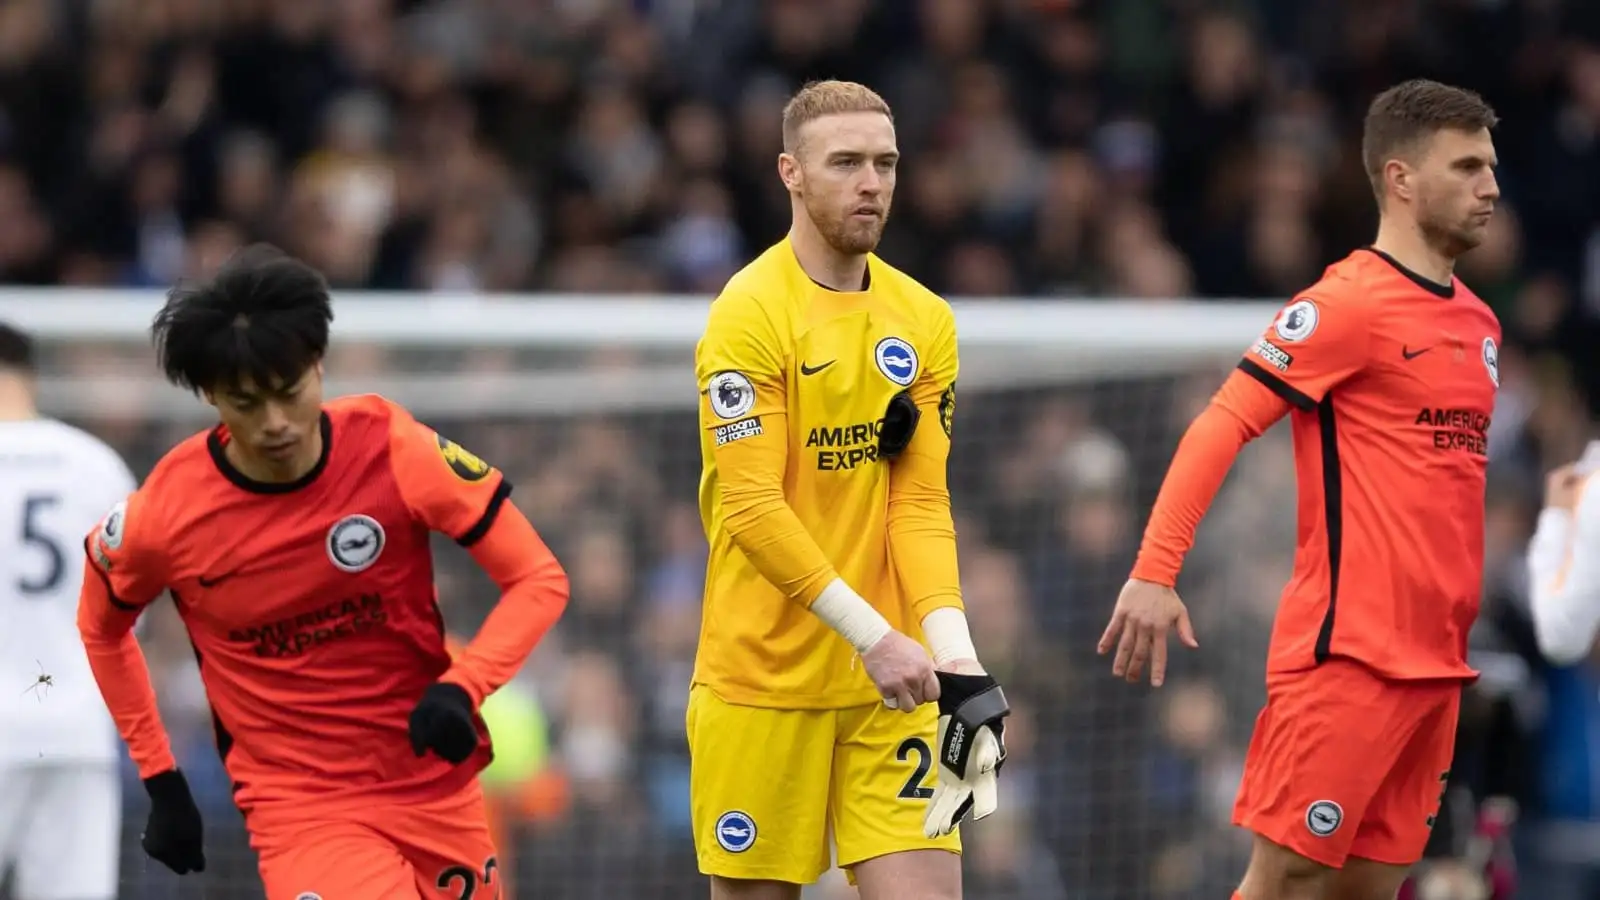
311 605
1392 380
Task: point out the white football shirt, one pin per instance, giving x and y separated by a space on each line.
1564 570
56 484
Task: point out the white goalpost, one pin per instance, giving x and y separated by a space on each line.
1005 343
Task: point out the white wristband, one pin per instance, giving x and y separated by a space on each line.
948 635
848 613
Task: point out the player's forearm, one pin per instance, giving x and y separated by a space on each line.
1238 414
120 671
1564 590
922 533
760 521
948 635
769 534
534 593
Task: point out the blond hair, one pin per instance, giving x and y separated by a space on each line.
827 98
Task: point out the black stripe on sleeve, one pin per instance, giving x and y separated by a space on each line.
1297 398
502 493
105 579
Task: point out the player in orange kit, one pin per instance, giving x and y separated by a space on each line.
1388 369
293 538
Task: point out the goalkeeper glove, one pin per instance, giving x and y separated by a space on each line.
899 425
173 833
443 722
971 751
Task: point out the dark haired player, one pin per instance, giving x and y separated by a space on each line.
1388 368
293 538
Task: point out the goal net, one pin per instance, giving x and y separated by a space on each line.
1068 415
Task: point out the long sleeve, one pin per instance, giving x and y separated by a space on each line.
765 528
453 492
1564 582
740 368
533 595
1239 412
120 578
922 534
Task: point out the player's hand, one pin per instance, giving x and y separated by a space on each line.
173 833
1146 612
443 722
971 747
1561 488
902 670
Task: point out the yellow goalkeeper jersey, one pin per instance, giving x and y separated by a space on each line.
795 379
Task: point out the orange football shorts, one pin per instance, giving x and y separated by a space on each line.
430 850
1344 763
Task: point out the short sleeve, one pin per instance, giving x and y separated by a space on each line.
445 486
739 367
1315 342
124 551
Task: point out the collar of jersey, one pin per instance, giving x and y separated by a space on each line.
215 445
1446 291
866 281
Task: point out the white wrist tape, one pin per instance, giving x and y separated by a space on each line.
948 635
848 613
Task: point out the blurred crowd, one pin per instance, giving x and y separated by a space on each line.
1053 148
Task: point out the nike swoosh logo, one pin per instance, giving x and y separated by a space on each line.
213 582
1408 353
812 370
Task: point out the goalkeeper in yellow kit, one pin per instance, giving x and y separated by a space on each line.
828 388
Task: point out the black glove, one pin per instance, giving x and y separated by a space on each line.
972 748
899 425
443 722
173 833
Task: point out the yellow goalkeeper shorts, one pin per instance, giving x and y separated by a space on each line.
767 785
